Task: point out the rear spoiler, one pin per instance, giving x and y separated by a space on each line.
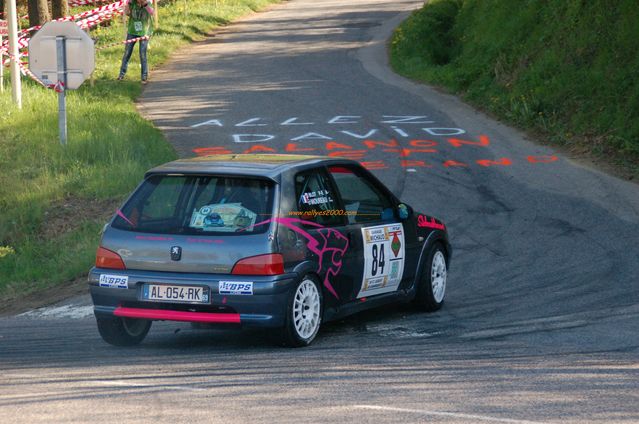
218 172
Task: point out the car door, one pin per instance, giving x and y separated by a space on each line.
377 234
315 226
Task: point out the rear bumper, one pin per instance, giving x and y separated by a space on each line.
266 307
168 315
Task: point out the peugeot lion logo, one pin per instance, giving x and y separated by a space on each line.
176 253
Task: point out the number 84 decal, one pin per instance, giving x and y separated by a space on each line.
383 259
378 261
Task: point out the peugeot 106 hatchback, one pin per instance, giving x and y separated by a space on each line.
278 241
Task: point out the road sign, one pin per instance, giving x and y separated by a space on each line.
80 54
63 55
4 28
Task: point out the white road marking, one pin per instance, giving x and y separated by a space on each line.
119 383
57 312
445 414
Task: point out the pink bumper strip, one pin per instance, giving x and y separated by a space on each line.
162 314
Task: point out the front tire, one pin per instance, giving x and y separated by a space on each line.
120 331
431 288
303 314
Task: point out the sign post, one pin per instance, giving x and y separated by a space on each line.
63 55
16 83
62 83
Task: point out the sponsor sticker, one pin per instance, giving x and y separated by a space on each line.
236 287
394 270
319 197
114 281
383 259
225 217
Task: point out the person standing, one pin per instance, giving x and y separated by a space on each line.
140 15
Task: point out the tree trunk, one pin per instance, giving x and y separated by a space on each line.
156 15
38 12
59 8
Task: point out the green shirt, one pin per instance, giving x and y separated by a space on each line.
139 20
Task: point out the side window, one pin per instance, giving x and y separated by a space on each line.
315 200
362 200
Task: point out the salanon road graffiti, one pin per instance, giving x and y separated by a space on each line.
410 157
411 142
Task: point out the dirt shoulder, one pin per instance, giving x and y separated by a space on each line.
65 216
16 304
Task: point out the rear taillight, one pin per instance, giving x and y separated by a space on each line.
271 264
105 258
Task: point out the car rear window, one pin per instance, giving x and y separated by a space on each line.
178 204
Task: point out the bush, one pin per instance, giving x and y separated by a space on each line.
428 33
566 69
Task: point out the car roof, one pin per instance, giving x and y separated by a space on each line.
269 166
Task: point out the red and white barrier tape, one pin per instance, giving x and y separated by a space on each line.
87 19
98 10
84 24
26 71
7 61
77 3
84 20
22 43
96 20
132 40
58 87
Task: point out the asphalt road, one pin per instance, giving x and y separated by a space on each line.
541 320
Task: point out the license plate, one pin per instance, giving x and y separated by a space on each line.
169 293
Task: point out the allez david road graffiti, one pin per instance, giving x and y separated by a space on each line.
410 141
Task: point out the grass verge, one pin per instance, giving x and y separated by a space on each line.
562 70
53 199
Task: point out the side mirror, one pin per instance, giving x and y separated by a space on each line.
404 211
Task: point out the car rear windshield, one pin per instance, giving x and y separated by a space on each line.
192 204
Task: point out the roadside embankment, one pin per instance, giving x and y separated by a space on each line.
563 70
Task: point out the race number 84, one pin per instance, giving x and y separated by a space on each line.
378 259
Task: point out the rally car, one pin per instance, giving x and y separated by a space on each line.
279 241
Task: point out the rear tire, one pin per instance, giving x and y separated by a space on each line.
431 288
120 331
303 314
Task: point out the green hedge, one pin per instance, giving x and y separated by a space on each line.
565 68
